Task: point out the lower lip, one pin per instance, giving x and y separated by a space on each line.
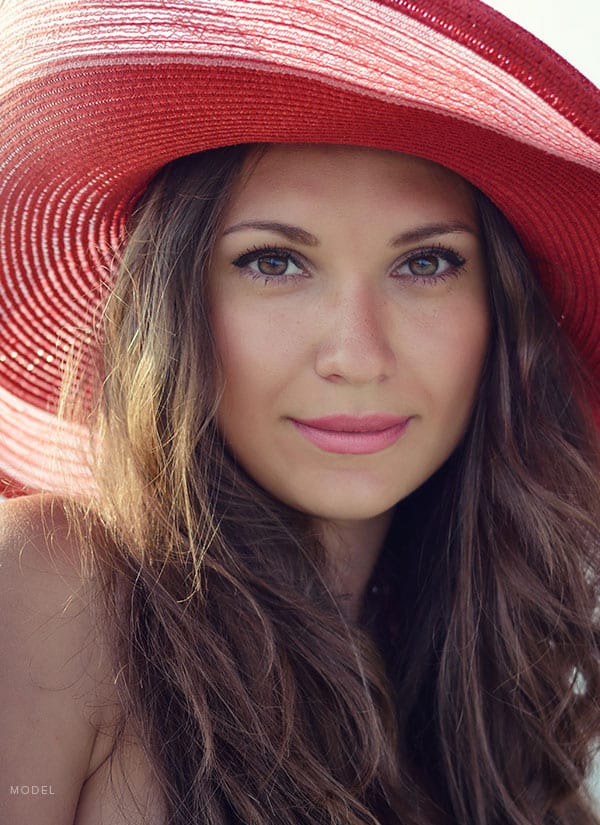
352 443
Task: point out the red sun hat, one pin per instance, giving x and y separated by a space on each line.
97 95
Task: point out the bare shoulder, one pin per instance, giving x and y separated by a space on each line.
58 702
53 679
41 574
36 531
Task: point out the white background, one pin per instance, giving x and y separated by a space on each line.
570 27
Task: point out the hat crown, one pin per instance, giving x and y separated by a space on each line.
96 95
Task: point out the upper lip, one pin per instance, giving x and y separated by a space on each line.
354 424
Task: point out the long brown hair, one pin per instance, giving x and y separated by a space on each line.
468 691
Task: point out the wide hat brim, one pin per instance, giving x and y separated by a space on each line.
96 96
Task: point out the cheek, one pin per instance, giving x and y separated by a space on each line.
259 353
447 354
456 351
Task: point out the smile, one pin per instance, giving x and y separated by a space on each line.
357 436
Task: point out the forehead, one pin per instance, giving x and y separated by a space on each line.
323 174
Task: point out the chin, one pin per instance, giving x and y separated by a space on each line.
346 510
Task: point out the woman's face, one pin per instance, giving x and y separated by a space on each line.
347 282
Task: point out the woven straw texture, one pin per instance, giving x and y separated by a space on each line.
95 96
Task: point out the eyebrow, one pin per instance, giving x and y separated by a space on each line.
294 233
421 233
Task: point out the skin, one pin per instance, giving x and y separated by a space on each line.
58 702
353 331
356 336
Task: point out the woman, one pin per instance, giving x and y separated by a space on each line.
336 560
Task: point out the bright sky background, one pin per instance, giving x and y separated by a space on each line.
570 27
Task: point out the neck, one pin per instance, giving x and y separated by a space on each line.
353 548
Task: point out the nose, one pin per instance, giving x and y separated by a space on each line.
355 346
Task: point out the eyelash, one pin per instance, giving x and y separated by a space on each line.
447 254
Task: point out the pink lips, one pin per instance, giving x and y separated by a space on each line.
349 434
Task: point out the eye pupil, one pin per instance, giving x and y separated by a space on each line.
272 265
424 265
